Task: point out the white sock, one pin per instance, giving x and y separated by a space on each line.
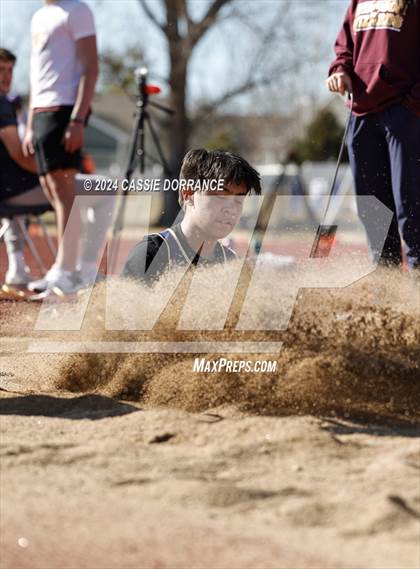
60 277
53 270
56 272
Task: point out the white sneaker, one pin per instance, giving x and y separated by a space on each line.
18 277
89 276
42 284
66 282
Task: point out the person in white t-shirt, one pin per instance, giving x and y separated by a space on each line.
64 70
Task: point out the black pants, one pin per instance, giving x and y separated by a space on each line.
384 152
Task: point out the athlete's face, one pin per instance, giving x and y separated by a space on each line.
216 213
6 75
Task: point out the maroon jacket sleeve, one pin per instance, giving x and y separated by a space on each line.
344 45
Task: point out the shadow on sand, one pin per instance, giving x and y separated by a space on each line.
363 427
93 407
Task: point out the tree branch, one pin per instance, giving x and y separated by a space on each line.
198 29
211 107
253 81
152 17
246 86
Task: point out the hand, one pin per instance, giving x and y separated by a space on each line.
27 144
73 137
339 83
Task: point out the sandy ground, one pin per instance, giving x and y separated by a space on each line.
116 462
87 483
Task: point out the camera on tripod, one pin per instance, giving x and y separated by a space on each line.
145 88
143 119
137 152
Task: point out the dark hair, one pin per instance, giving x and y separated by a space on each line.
201 164
6 55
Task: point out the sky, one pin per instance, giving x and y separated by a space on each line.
121 23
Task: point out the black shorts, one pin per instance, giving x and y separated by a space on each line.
48 128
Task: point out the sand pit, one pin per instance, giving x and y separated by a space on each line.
133 460
352 352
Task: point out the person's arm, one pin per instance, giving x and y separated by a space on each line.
340 72
87 55
10 138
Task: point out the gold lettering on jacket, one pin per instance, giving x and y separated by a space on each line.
380 15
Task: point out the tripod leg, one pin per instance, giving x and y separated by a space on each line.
132 162
158 146
133 156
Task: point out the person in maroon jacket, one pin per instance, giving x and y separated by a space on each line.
378 61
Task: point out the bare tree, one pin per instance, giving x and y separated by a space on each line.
274 53
180 49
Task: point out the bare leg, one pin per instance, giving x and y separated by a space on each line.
46 190
97 212
61 186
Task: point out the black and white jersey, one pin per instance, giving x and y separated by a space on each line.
158 252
